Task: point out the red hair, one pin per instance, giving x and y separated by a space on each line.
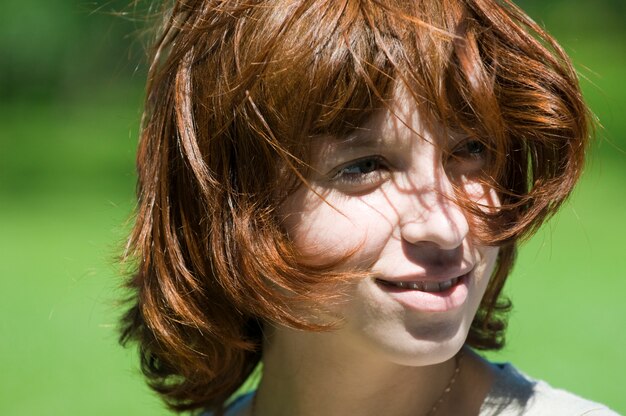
236 89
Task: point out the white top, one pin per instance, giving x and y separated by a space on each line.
515 394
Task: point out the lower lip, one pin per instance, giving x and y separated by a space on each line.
450 299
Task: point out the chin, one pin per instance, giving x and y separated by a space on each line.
430 352
419 344
425 354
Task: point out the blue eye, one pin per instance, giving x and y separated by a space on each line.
361 167
475 147
472 148
469 158
361 174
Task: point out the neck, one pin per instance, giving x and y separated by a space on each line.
311 375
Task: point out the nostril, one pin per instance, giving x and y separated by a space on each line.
446 228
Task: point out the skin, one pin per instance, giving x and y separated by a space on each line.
384 197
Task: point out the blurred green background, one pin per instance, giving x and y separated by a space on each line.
71 76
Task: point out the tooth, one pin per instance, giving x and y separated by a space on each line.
445 285
401 284
414 285
431 286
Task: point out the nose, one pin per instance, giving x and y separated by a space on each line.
433 216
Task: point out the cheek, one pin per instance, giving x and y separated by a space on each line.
327 232
487 264
483 194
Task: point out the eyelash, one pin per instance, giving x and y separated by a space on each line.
477 149
470 157
373 170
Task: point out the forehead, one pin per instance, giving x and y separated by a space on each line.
394 125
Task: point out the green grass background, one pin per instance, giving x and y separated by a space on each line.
66 194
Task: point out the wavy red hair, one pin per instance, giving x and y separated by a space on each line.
235 91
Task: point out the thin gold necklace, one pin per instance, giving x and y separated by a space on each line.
433 410
444 395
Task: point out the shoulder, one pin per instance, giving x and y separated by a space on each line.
514 393
241 406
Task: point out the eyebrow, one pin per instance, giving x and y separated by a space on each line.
331 147
362 137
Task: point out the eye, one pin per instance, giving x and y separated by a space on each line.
361 174
470 148
360 167
469 157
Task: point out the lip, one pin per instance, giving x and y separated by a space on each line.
448 299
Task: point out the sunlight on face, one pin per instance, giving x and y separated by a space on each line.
385 196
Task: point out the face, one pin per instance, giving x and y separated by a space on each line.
383 198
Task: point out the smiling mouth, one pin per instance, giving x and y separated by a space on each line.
423 286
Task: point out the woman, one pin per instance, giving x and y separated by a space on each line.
336 190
